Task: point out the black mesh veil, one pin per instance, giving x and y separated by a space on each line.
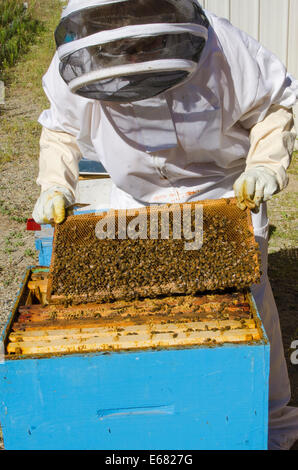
135 88
80 66
94 19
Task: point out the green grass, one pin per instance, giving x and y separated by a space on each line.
30 253
11 212
13 241
293 170
19 129
18 28
283 213
29 70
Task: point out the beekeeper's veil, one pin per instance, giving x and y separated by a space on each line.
129 50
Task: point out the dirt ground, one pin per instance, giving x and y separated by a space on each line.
18 192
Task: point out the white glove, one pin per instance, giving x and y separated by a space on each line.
51 205
255 186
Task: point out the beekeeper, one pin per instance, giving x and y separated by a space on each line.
179 106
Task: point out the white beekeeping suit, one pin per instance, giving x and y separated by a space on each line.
172 125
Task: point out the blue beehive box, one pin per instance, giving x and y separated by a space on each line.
44 247
192 397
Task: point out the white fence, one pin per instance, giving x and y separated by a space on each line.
274 23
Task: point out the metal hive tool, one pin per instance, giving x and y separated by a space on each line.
87 269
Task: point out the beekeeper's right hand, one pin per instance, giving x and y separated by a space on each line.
58 175
51 205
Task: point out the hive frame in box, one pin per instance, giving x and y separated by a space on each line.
193 398
182 321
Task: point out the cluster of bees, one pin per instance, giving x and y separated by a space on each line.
90 269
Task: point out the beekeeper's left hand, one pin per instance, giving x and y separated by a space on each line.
255 186
51 205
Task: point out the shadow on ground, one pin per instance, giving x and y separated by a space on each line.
283 274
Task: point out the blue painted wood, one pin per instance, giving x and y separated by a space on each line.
44 246
91 166
199 398
202 398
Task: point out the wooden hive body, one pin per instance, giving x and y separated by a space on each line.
196 387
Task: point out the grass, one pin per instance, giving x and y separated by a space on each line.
18 28
293 170
13 241
283 213
28 252
11 212
19 128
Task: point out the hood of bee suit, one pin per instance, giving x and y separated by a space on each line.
129 50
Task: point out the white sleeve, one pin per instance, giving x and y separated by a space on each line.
64 123
259 79
272 143
274 86
58 161
266 94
